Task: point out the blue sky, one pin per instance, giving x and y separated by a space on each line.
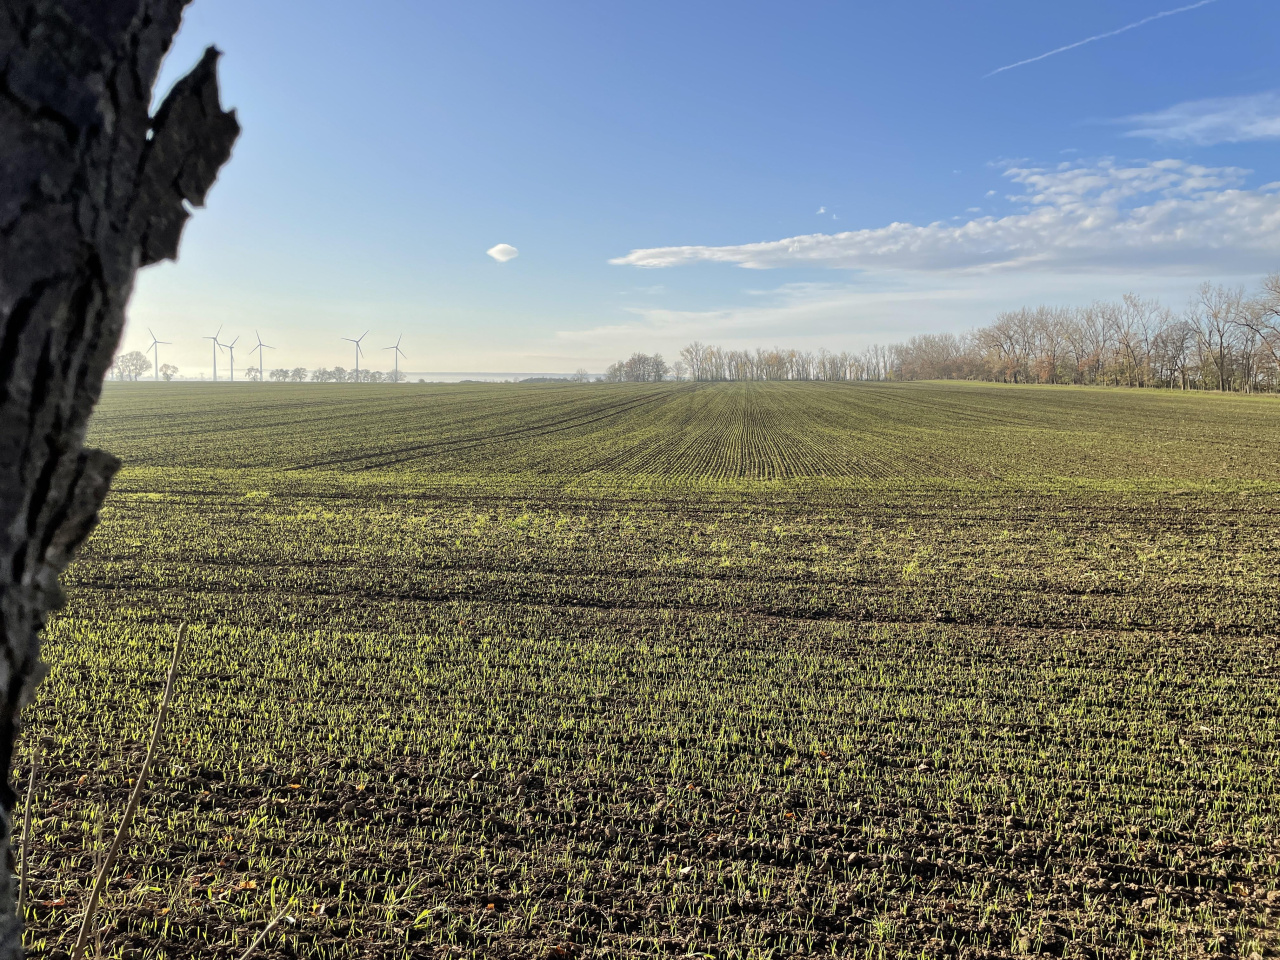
807 174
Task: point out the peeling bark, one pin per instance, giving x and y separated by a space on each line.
92 187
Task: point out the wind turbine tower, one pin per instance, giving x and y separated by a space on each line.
231 349
216 345
398 354
155 353
356 341
260 347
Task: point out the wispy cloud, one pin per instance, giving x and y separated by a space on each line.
1217 120
850 315
797 312
1103 36
1161 216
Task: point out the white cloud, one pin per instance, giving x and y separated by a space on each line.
822 209
795 312
503 252
1164 216
1215 120
843 316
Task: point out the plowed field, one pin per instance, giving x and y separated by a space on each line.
731 670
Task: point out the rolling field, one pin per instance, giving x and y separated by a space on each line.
730 670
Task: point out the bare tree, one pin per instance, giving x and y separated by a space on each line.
638 368
1048 331
1136 323
168 371
692 355
1224 342
93 187
1216 313
1261 316
131 365
1171 350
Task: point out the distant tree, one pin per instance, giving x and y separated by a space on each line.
339 375
693 357
298 374
1225 341
279 374
1261 317
1171 351
252 374
1216 313
638 368
132 365
168 371
581 375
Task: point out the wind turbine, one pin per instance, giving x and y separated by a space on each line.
155 352
260 347
216 345
231 349
356 341
398 354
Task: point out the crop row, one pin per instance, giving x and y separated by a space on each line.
699 433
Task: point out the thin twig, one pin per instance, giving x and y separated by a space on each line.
101 881
263 935
26 818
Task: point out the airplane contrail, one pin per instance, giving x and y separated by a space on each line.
1102 36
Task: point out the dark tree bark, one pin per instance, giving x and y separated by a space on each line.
92 187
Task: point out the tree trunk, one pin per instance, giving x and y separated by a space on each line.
92 187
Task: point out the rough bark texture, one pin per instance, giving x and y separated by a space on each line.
92 187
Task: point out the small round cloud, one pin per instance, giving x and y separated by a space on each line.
503 252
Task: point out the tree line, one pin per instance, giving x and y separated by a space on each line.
1223 340
134 365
